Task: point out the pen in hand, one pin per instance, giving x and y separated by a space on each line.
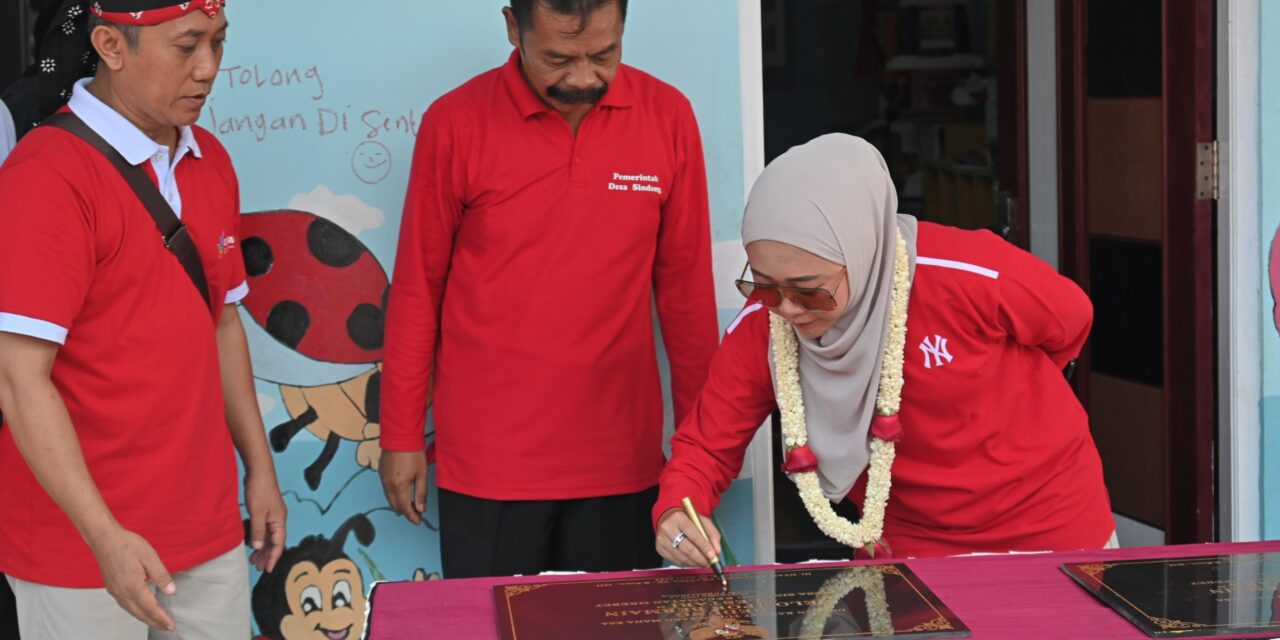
697 522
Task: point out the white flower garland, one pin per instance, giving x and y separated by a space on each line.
888 400
870 580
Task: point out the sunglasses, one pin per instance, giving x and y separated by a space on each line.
770 295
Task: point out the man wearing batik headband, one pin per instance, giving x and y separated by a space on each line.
125 385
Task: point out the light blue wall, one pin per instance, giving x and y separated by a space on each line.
1270 178
301 87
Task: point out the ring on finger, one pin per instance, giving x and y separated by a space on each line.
675 542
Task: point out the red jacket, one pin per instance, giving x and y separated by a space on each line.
996 454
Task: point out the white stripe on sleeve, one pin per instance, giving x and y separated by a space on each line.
237 294
14 323
743 314
961 266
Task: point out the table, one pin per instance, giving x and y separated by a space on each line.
1015 596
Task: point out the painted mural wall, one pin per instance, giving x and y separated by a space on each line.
319 104
1269 114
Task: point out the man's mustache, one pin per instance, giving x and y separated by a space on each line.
577 96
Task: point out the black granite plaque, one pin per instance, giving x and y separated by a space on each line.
870 601
1232 595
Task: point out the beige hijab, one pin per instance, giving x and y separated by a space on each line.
833 197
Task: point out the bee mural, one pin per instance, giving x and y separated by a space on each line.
316 591
316 304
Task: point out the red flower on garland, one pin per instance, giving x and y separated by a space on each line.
799 460
887 428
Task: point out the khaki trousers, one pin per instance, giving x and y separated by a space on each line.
212 603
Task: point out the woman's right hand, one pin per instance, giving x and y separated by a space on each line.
694 550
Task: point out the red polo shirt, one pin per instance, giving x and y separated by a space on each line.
138 366
996 453
529 264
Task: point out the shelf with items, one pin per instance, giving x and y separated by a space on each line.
939 99
949 62
960 195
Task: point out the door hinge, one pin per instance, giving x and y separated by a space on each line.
1207 170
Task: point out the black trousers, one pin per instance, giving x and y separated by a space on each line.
482 538
8 611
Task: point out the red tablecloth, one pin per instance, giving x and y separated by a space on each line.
1018 597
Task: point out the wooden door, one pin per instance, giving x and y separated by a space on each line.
1012 166
1136 99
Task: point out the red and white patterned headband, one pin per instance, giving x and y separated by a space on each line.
149 17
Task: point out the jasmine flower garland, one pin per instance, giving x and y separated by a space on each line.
888 401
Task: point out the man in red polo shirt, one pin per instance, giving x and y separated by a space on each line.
552 202
125 394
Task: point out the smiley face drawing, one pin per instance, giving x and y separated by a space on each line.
371 162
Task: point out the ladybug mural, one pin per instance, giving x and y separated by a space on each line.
316 300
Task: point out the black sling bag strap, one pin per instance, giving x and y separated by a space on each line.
176 238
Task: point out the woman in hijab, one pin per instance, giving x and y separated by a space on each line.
928 356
